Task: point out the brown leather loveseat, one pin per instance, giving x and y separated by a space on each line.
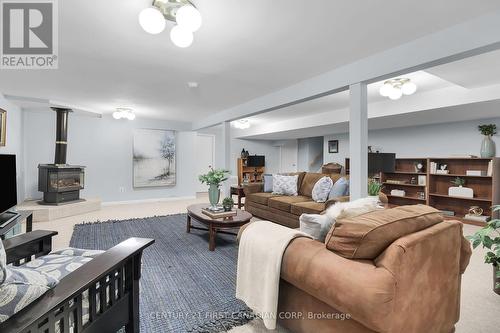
286 210
395 271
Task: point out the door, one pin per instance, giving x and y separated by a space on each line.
205 157
289 156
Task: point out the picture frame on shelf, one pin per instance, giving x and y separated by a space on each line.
333 146
3 127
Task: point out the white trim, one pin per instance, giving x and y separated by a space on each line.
128 202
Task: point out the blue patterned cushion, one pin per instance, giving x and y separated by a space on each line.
71 251
3 264
21 287
57 265
340 188
321 189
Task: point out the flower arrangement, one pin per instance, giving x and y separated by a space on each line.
488 130
374 188
458 182
214 176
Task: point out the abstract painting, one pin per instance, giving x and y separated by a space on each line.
154 158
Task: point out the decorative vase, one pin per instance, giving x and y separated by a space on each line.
496 279
227 208
487 147
374 198
213 195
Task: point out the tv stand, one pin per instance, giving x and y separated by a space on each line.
7 217
7 225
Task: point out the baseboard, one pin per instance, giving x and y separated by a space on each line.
128 202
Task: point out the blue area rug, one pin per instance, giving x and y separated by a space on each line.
184 287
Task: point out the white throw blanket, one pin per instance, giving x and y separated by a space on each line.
262 246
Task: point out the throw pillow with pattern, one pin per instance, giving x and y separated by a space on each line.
321 189
3 262
285 185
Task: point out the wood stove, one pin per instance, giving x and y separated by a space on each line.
60 182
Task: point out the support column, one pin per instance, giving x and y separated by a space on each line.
358 141
226 137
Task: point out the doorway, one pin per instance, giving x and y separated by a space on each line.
205 157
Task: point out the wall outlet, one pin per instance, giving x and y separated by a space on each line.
121 189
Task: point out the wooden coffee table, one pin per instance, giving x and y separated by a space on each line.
215 226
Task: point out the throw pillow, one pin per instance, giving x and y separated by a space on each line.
339 189
268 183
21 287
354 208
321 189
285 185
3 262
315 225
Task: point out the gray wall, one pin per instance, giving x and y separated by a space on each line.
14 141
310 154
104 146
420 141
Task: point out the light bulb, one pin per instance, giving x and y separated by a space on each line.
409 88
130 115
396 93
189 18
386 89
181 37
152 20
117 115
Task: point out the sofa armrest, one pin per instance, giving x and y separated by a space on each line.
332 201
121 263
253 188
357 288
35 243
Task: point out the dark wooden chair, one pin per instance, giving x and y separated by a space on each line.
111 279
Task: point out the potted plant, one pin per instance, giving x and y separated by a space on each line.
228 204
213 179
489 238
459 190
488 146
374 188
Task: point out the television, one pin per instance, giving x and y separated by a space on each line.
381 162
8 184
256 161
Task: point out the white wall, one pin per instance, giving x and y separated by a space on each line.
104 146
14 141
419 141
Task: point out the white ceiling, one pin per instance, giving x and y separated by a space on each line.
244 49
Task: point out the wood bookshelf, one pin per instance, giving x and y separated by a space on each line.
486 187
252 174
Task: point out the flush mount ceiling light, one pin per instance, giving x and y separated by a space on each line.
396 88
241 124
182 12
125 113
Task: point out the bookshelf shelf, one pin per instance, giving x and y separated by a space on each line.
486 188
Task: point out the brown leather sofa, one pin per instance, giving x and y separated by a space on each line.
286 210
402 273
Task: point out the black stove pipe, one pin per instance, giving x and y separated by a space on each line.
61 135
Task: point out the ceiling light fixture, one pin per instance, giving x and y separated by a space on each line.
125 113
241 124
186 16
396 88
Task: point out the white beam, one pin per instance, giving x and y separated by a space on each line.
457 42
226 136
358 141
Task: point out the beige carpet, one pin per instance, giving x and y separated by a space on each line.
480 306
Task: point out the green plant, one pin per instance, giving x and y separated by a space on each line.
489 238
374 187
490 129
458 181
214 176
228 202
